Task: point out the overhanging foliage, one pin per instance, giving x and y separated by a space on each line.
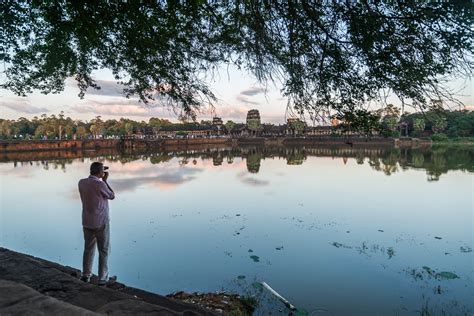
335 55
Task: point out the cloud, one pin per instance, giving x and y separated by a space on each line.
244 178
121 107
232 112
22 106
253 91
167 180
107 87
243 99
254 182
250 92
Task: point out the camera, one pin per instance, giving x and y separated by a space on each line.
106 168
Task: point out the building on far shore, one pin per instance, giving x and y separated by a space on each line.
270 130
218 126
193 130
237 130
253 127
182 130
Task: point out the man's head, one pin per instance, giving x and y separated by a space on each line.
97 169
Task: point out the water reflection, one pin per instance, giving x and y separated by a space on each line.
436 160
314 223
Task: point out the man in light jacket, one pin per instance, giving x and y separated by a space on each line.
95 195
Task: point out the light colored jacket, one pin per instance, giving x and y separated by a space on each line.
95 205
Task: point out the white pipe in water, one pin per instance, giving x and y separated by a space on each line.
281 298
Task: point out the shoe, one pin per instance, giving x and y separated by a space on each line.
86 278
108 281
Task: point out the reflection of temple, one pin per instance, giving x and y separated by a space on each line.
217 159
435 161
253 162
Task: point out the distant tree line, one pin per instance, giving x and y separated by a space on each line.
62 127
438 123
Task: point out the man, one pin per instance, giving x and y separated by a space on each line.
95 193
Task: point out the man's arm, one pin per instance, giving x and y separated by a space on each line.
106 190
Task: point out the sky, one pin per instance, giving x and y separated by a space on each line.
237 93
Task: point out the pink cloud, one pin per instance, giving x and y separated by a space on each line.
121 107
22 105
236 113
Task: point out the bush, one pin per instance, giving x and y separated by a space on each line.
439 137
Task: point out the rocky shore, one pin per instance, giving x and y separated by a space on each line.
34 286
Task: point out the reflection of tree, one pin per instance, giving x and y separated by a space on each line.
295 156
374 162
160 158
417 159
436 161
184 161
46 164
253 162
439 161
390 162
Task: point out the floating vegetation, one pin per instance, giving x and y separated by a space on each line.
339 245
447 275
241 277
300 312
465 249
219 303
255 258
390 252
416 274
250 250
365 249
429 273
257 285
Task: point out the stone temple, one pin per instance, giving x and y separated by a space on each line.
253 116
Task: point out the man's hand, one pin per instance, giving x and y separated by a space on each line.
105 176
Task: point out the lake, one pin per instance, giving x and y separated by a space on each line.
336 231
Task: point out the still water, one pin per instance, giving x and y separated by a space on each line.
336 231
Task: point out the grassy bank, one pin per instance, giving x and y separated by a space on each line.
442 139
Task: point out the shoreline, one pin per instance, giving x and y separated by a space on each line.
50 288
9 146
